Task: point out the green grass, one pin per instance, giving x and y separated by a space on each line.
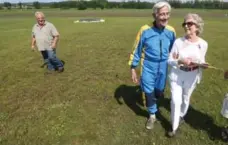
79 106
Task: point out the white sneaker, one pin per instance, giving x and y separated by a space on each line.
150 122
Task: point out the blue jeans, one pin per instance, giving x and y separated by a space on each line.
44 55
51 59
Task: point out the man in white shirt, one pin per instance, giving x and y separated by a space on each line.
46 36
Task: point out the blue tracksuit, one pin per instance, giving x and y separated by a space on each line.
152 47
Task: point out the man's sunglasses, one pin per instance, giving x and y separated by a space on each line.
189 24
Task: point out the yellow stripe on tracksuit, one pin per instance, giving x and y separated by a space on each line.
170 28
136 43
143 94
135 47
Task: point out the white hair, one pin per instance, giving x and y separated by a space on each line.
197 20
39 13
160 5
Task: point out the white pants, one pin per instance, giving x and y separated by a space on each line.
181 90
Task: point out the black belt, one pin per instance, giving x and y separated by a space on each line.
184 68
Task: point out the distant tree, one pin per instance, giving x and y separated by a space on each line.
113 5
64 5
54 5
36 5
7 5
128 4
94 4
20 5
101 4
138 4
82 6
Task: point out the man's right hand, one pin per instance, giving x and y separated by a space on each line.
134 76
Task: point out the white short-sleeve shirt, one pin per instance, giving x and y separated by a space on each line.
44 35
186 49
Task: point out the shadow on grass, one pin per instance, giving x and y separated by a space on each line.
132 97
164 102
45 64
199 121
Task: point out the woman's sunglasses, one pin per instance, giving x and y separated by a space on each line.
189 24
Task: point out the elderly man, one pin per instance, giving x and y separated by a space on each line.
152 46
45 36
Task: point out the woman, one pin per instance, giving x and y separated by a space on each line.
187 58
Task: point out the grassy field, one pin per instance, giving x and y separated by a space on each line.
94 101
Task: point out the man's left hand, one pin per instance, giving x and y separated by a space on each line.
33 48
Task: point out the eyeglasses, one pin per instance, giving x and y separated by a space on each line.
189 24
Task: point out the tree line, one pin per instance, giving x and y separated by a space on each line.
104 4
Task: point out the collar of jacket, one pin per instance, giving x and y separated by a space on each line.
154 24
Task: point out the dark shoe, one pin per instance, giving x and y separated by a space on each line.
171 134
150 122
225 134
60 69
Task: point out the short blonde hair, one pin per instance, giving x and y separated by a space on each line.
39 13
197 20
159 5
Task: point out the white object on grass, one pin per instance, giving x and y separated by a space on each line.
90 20
224 110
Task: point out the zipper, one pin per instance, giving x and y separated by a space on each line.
160 44
160 49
